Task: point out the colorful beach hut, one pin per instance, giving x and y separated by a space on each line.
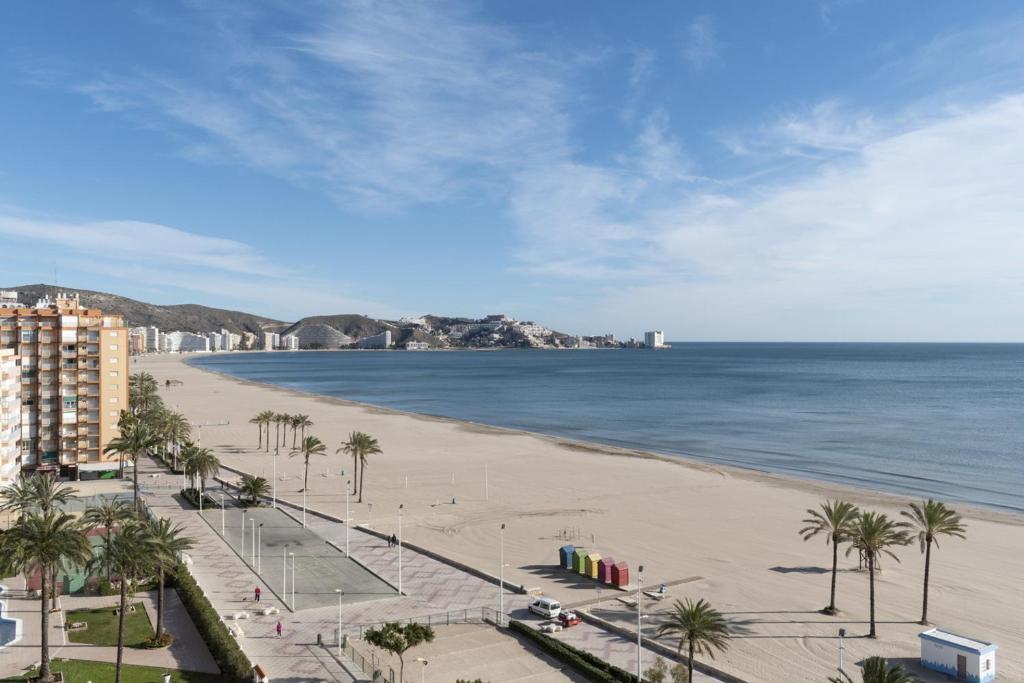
590 565
620 574
604 570
579 560
565 556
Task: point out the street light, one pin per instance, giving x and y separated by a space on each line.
293 580
639 623
222 514
348 517
842 634
423 671
369 516
501 575
401 505
252 550
341 594
259 549
284 573
274 502
242 551
303 507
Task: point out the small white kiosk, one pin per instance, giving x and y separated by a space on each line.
964 659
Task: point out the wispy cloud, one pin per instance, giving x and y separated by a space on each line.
700 45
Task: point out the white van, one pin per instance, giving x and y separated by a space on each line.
548 608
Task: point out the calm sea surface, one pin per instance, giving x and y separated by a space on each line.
944 420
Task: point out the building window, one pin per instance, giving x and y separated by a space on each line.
113 399
113 361
113 347
113 333
113 373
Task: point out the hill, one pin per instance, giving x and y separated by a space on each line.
189 317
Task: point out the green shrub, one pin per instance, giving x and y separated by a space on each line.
592 668
192 496
233 663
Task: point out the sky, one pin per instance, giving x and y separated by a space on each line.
803 170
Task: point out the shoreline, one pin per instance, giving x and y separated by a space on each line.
807 484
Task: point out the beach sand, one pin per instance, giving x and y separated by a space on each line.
735 529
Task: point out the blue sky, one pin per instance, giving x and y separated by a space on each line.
819 170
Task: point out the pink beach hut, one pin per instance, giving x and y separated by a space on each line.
590 565
604 569
620 574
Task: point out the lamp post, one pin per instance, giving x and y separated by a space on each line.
303 507
842 634
252 549
273 503
284 573
341 594
639 622
242 551
501 575
423 671
400 506
294 606
259 549
369 515
222 514
348 517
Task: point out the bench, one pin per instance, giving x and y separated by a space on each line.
268 610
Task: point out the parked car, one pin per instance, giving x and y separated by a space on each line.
549 608
568 618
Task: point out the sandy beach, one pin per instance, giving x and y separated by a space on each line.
731 532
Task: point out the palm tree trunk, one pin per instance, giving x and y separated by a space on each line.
871 579
294 432
835 564
53 590
160 607
927 570
44 619
260 427
305 475
135 483
108 561
689 664
401 667
120 628
361 473
355 473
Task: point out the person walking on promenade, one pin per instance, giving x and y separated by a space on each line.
257 592
280 629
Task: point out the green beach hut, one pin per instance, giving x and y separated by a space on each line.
579 560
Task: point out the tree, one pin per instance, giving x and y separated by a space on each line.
658 672
875 534
257 420
303 421
835 521
43 541
167 543
698 626
309 446
877 670
930 520
178 430
43 492
254 488
107 514
199 462
360 445
143 393
136 439
398 639
131 554
280 419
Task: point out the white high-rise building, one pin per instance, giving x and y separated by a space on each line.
291 342
654 339
10 417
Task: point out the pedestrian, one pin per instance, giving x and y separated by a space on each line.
257 592
280 629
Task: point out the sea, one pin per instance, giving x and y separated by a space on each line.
929 420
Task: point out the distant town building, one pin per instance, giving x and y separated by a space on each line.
136 341
320 336
9 299
377 341
654 339
248 341
234 341
152 339
268 341
73 364
215 341
416 346
291 342
10 416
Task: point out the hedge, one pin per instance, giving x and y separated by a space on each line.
192 496
592 668
233 663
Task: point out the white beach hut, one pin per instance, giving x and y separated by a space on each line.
965 659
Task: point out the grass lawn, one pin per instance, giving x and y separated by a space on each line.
78 671
103 626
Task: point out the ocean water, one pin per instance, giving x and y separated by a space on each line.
943 420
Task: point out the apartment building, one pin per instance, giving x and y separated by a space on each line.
73 365
10 417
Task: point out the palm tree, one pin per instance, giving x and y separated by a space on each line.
137 438
302 421
697 625
266 417
835 521
309 446
43 541
280 419
142 393
257 420
874 534
360 446
108 515
131 554
254 488
43 492
168 544
178 430
930 520
200 462
877 670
